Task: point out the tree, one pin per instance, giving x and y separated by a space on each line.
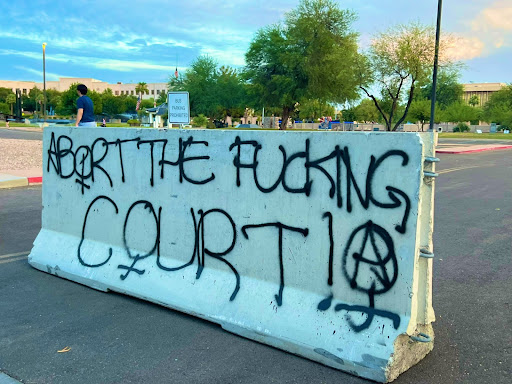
314 109
200 121
231 94
4 92
474 100
397 62
460 112
199 80
141 88
97 101
67 103
366 111
448 90
499 107
420 111
300 59
112 105
11 100
162 98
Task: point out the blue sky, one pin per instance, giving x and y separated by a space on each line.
132 41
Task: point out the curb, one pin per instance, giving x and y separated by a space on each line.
35 180
457 151
10 181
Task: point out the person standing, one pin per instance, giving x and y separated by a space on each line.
85 113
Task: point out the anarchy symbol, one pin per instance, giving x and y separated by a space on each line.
376 255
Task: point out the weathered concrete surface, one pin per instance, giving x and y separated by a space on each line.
305 241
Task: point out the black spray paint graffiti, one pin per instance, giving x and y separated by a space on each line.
341 156
84 163
84 157
280 227
200 248
383 266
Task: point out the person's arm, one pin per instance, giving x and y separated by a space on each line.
79 115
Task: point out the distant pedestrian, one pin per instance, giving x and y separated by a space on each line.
7 123
85 113
104 124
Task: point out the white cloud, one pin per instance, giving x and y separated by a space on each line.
111 64
49 76
465 48
493 25
498 16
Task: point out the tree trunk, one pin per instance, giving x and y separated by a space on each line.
11 108
284 118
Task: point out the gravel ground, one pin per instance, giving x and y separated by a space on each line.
20 154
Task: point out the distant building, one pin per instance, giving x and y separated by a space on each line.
118 89
482 90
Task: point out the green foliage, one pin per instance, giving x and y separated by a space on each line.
200 121
367 111
311 109
67 103
4 108
199 80
231 93
162 98
301 58
3 94
460 112
141 88
349 114
499 107
112 105
11 100
448 90
214 92
420 111
130 103
474 100
97 102
147 103
461 127
133 121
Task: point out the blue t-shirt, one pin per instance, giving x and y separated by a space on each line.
86 103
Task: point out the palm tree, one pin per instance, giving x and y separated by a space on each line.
141 88
10 99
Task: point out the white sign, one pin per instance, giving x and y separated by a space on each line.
179 108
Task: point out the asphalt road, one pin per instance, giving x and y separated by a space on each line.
118 339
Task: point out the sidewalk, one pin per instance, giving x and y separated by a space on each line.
20 162
463 148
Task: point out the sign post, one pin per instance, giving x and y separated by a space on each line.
178 106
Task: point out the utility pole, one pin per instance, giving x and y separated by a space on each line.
436 60
44 81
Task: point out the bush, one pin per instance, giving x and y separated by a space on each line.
461 127
133 122
200 121
210 125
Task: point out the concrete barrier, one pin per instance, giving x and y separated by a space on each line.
318 243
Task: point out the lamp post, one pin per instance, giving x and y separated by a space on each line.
436 60
44 81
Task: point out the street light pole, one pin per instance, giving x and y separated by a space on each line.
436 60
44 81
